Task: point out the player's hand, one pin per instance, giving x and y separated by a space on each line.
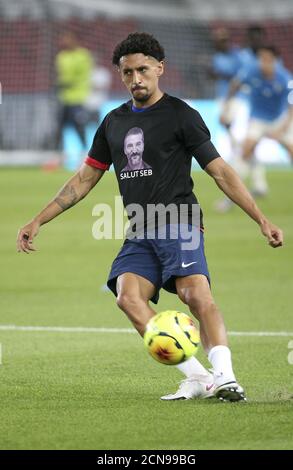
225 113
26 235
273 234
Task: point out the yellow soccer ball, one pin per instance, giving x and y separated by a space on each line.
171 337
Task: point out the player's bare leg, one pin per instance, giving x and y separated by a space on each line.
195 292
249 166
289 148
242 164
259 184
246 165
134 293
248 148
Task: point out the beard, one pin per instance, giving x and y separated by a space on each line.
140 98
135 159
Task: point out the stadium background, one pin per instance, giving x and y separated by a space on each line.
71 389
29 44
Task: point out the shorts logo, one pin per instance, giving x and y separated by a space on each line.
188 264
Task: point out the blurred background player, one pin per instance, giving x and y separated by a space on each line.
100 86
74 69
255 38
270 112
226 64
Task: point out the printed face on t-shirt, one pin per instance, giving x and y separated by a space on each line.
133 148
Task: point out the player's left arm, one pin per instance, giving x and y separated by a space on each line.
230 183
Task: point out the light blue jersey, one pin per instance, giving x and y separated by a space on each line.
268 97
247 57
226 64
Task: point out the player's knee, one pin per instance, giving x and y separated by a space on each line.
247 150
127 302
199 304
246 154
205 308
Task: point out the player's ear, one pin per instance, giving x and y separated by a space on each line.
160 69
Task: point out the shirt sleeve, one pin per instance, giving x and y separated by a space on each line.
197 137
99 155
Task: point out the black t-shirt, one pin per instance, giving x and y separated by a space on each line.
152 151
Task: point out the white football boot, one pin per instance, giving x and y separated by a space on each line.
196 386
228 390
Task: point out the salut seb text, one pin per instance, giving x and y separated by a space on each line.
135 173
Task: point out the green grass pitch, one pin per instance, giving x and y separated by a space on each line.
62 390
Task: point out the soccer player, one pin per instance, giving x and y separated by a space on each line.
227 62
74 65
255 38
173 133
270 112
100 86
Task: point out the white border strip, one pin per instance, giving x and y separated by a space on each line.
63 329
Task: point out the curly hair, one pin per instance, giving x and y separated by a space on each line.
138 43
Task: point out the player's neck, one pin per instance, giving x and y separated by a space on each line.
269 75
152 100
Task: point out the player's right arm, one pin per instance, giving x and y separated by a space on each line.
229 182
70 194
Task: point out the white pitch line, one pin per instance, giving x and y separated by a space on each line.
260 333
66 329
69 329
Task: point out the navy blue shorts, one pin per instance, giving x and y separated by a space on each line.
160 261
